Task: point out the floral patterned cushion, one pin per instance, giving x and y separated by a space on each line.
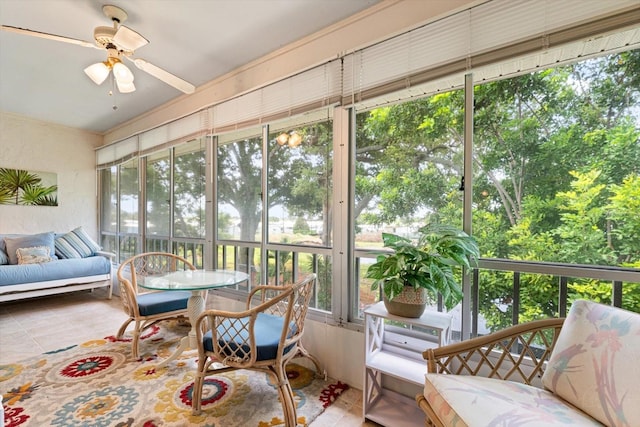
469 401
594 365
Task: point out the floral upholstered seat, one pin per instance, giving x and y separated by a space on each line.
478 401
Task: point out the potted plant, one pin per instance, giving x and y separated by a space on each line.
416 272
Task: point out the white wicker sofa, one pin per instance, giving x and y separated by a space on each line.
578 371
73 261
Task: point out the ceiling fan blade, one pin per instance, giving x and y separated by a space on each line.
129 40
163 75
48 36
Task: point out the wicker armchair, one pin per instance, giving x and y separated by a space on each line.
579 371
262 338
148 308
509 354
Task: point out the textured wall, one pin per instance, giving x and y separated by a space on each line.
34 145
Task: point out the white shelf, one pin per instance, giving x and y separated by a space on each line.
397 353
393 409
431 319
398 366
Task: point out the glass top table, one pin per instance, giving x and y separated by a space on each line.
193 280
198 282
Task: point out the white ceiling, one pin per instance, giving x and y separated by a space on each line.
198 40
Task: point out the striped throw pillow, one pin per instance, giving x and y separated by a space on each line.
75 244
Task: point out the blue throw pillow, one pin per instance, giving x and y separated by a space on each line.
14 243
75 244
3 258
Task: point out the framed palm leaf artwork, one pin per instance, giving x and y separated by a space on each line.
21 187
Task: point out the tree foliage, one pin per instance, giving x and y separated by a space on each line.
555 164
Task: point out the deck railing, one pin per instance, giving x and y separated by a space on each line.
511 298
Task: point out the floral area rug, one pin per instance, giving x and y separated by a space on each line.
98 383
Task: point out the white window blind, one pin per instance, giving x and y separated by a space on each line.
595 46
299 120
316 87
162 137
175 132
487 34
117 153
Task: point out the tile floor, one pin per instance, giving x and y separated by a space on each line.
31 327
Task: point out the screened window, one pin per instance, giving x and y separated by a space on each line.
409 171
158 193
128 209
555 153
189 190
557 179
300 184
109 208
239 187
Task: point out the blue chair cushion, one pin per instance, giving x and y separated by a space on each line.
162 302
267 330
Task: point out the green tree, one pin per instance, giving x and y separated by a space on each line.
624 212
555 156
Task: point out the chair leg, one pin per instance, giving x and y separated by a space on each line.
135 339
302 352
196 395
123 328
286 396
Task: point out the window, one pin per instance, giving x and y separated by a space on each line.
238 198
128 209
239 187
556 169
555 158
300 194
300 182
158 192
189 190
109 208
408 172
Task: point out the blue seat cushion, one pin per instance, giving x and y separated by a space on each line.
55 270
267 331
162 302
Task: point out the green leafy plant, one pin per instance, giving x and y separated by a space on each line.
427 263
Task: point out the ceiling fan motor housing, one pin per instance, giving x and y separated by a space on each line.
104 35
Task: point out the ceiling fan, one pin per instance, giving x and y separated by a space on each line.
119 42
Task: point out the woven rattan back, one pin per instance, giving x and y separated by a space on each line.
233 334
136 268
518 353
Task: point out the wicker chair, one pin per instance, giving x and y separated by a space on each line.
492 356
149 308
262 338
580 371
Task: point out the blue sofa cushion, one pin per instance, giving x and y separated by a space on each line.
75 244
267 330
162 302
12 244
4 259
54 270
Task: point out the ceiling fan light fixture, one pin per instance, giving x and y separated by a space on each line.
283 138
295 140
122 73
125 87
97 72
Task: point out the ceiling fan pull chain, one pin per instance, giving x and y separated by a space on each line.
112 92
